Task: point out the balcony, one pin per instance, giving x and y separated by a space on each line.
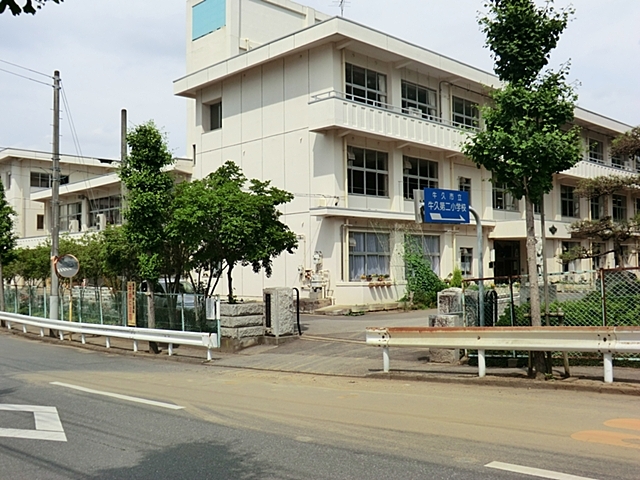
590 169
332 110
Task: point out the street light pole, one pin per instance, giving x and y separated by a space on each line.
55 201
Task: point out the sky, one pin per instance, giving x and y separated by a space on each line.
115 54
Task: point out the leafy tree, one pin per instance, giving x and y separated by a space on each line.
232 224
149 195
628 144
118 257
525 141
7 238
16 7
33 265
605 228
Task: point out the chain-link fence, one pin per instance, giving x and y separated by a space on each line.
589 298
180 311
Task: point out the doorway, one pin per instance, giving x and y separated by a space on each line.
507 263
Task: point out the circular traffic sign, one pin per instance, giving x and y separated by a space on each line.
67 266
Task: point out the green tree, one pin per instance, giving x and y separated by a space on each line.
628 144
17 7
525 141
7 238
118 258
149 196
232 223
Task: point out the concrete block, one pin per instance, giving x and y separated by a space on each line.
241 309
244 321
450 300
444 355
280 307
242 332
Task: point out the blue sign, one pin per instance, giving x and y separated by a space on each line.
446 206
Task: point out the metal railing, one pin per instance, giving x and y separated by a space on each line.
605 340
387 107
171 337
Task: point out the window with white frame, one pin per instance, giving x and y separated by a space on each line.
464 184
418 174
596 205
70 213
573 265
215 115
7 181
466 261
366 86
465 113
367 172
369 254
419 101
430 247
619 161
569 203
596 151
503 199
110 207
619 203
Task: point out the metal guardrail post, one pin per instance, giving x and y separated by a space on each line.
182 311
482 364
385 359
218 318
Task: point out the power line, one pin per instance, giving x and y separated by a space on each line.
23 76
25 68
74 133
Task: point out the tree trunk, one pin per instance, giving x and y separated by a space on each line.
534 292
151 316
230 284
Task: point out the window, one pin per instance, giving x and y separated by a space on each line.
619 162
465 113
637 206
573 265
368 254
366 86
419 100
466 261
619 207
215 116
44 180
39 222
69 213
206 17
464 184
367 172
502 199
596 151
419 174
111 207
596 207
570 205
430 246
7 181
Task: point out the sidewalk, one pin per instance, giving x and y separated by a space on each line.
335 345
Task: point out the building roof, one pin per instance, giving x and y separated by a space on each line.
348 34
19 153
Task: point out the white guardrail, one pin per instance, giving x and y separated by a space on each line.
171 337
604 340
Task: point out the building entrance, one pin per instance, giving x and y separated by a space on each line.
507 263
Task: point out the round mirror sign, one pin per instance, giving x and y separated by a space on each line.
67 266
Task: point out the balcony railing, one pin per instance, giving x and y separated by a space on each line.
337 110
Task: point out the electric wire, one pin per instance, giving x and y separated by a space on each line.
25 68
24 76
72 126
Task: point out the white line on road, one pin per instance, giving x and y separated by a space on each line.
48 425
170 406
534 472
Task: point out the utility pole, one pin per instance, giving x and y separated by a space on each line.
55 201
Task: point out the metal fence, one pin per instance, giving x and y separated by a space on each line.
185 312
607 297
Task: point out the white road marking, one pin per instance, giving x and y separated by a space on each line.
48 425
534 472
170 406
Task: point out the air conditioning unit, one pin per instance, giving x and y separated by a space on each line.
414 112
101 221
74 226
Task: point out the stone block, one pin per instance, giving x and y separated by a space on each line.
525 293
244 321
241 309
449 300
242 332
444 355
280 308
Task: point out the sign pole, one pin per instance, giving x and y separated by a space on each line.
480 265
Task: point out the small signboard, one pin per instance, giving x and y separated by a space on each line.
67 266
131 304
446 206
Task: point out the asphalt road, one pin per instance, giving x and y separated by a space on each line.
238 424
